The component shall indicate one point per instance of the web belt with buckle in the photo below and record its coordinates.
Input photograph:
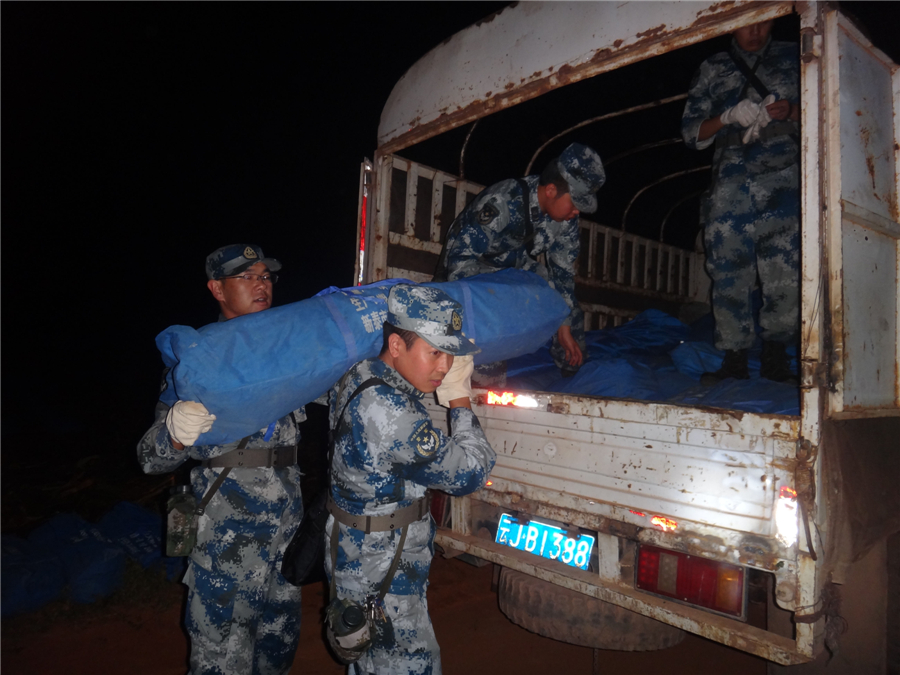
(248, 458)
(392, 521)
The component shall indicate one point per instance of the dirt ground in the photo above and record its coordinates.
(475, 637)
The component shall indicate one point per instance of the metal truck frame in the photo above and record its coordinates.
(628, 471)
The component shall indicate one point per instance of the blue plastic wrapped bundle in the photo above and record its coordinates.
(651, 359)
(138, 532)
(256, 368)
(92, 565)
(31, 577)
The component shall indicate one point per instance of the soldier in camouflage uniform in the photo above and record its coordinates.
(387, 454)
(495, 232)
(752, 208)
(242, 616)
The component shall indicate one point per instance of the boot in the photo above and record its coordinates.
(733, 365)
(776, 364)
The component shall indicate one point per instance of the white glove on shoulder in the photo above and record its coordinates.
(762, 119)
(744, 113)
(458, 382)
(186, 420)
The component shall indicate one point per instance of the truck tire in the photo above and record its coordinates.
(562, 614)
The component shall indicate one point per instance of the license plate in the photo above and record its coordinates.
(546, 541)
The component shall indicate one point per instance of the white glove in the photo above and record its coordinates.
(762, 119)
(458, 382)
(744, 113)
(187, 420)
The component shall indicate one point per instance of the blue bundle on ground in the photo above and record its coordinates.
(254, 369)
(88, 559)
(31, 577)
(92, 565)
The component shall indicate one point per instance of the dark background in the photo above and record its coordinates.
(139, 137)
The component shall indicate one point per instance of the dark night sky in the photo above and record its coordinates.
(138, 137)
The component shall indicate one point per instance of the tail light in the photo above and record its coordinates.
(509, 398)
(697, 581)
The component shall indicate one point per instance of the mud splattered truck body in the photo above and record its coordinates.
(691, 512)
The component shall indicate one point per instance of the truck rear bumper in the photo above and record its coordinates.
(706, 624)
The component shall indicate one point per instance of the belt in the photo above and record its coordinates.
(248, 458)
(769, 131)
(392, 521)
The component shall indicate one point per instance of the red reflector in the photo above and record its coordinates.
(637, 513)
(691, 579)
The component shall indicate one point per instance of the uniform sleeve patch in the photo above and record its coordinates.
(424, 439)
(487, 214)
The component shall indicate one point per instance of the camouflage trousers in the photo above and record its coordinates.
(405, 644)
(753, 231)
(413, 649)
(249, 626)
(494, 374)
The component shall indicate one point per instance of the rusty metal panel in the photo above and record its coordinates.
(870, 317)
(530, 48)
(377, 238)
(867, 125)
(862, 235)
(586, 454)
(812, 287)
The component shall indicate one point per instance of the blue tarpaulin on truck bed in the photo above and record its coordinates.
(656, 357)
(257, 368)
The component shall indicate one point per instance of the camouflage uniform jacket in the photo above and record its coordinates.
(387, 453)
(489, 235)
(719, 85)
(260, 507)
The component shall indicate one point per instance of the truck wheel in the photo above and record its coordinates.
(562, 614)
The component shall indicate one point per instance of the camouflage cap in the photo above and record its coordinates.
(234, 259)
(432, 315)
(582, 169)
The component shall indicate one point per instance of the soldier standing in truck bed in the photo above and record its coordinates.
(746, 101)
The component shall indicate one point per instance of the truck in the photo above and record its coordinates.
(774, 534)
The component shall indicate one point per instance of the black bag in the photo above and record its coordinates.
(305, 554)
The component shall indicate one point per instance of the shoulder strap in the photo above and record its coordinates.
(219, 480)
(753, 80)
(386, 584)
(526, 208)
(395, 563)
(371, 382)
(750, 74)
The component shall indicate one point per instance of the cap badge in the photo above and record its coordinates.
(249, 253)
(456, 321)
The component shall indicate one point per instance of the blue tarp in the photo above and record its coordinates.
(92, 565)
(31, 578)
(259, 367)
(68, 552)
(655, 357)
